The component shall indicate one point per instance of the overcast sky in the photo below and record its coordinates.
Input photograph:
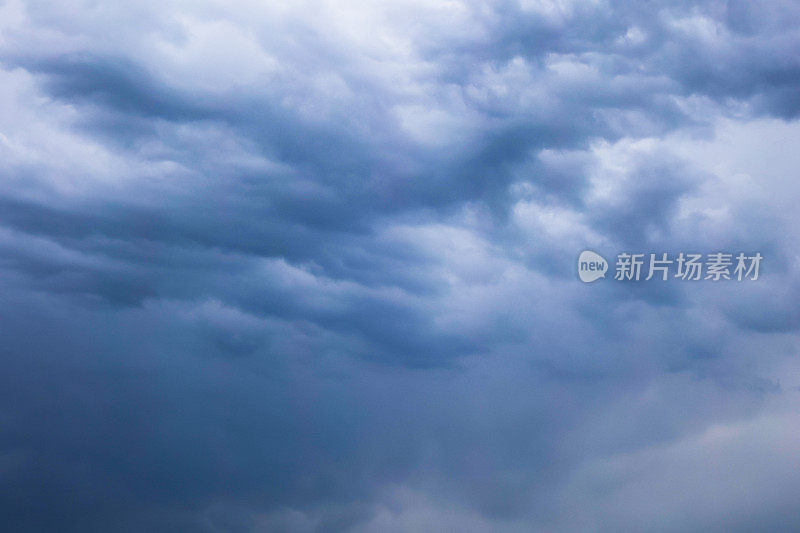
(309, 266)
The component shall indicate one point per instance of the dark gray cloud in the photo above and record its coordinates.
(308, 266)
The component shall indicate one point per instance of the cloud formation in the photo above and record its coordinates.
(308, 266)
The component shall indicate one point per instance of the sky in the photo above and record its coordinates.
(310, 266)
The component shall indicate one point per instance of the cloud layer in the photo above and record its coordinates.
(309, 266)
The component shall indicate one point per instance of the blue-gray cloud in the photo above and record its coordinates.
(309, 266)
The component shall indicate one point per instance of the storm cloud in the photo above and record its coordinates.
(309, 265)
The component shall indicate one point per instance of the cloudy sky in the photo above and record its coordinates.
(309, 265)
